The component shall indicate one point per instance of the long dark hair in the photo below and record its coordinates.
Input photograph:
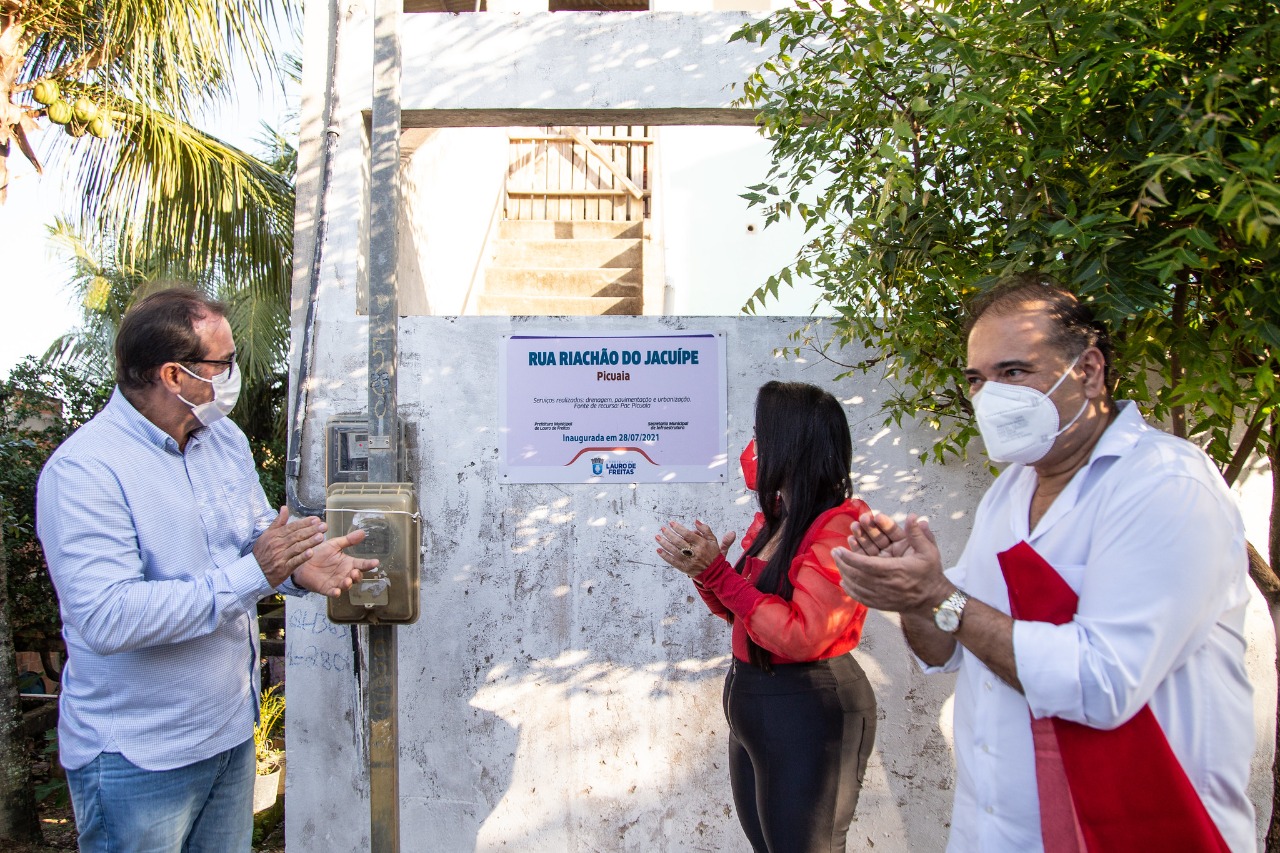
(803, 451)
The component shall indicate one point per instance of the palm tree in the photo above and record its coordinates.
(122, 77)
(117, 80)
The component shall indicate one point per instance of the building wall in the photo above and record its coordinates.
(561, 689)
(713, 251)
(451, 197)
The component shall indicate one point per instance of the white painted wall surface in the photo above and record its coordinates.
(561, 691)
(451, 195)
(566, 60)
(717, 250)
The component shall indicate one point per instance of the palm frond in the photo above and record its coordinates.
(160, 199)
(261, 331)
(172, 56)
(108, 275)
(175, 188)
(86, 351)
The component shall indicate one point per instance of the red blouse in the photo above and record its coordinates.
(820, 621)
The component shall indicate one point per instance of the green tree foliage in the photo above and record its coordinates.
(39, 408)
(107, 273)
(1129, 147)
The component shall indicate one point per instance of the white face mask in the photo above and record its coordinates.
(1019, 424)
(226, 390)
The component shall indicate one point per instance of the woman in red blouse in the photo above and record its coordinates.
(801, 713)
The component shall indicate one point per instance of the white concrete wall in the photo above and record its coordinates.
(569, 60)
(714, 251)
(717, 250)
(451, 197)
(562, 688)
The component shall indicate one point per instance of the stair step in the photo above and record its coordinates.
(567, 254)
(507, 281)
(582, 229)
(576, 306)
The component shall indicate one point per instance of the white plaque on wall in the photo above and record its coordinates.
(625, 409)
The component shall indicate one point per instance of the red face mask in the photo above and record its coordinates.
(748, 460)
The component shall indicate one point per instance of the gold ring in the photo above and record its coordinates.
(688, 552)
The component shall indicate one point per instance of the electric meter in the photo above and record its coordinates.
(347, 451)
(388, 515)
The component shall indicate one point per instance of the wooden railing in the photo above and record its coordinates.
(591, 173)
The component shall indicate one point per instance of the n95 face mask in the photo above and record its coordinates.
(1017, 423)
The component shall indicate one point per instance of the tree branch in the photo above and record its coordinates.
(1245, 448)
(1053, 42)
(1267, 581)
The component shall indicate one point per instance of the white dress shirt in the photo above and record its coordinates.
(1150, 538)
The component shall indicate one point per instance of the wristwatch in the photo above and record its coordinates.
(947, 615)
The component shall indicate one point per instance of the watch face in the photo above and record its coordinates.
(947, 619)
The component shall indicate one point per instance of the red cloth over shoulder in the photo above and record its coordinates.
(1104, 791)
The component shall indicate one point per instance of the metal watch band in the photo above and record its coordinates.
(948, 614)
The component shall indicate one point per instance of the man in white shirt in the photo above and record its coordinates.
(1142, 528)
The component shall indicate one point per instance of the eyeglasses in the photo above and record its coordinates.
(227, 364)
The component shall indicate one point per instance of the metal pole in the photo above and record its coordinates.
(384, 209)
(384, 316)
(384, 741)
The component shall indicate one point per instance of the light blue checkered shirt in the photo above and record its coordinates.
(150, 550)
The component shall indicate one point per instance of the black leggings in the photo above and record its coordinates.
(798, 746)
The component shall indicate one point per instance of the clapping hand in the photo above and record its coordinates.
(329, 571)
(691, 551)
(890, 567)
(282, 547)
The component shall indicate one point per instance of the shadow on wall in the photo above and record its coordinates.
(580, 748)
(572, 699)
(548, 751)
(653, 758)
(617, 60)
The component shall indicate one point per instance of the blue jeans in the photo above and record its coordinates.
(206, 807)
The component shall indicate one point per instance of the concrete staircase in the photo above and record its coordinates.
(551, 268)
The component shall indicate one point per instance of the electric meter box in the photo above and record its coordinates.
(347, 450)
(388, 514)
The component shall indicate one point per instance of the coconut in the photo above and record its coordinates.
(100, 126)
(86, 110)
(46, 92)
(60, 112)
